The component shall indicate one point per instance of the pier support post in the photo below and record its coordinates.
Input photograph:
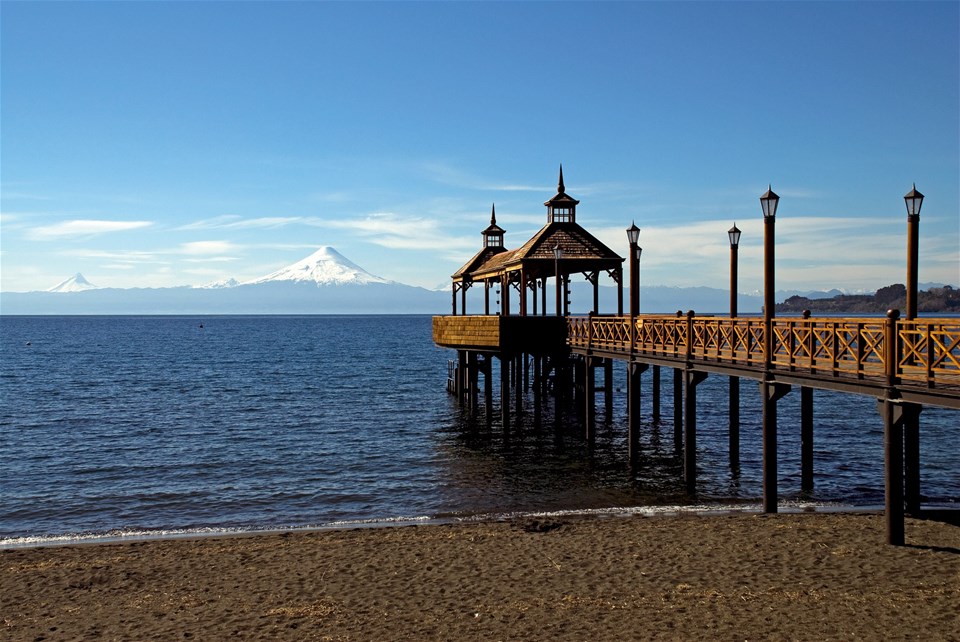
(560, 389)
(608, 388)
(806, 440)
(537, 389)
(655, 401)
(893, 419)
(505, 391)
(518, 382)
(692, 379)
(911, 457)
(589, 408)
(734, 437)
(677, 409)
(488, 387)
(458, 375)
(771, 392)
(634, 370)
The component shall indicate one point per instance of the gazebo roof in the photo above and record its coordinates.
(581, 251)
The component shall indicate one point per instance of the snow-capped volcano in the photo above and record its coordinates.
(326, 266)
(75, 283)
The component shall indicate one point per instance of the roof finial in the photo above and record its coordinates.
(493, 214)
(560, 187)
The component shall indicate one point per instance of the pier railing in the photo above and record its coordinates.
(926, 351)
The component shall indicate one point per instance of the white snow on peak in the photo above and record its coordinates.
(219, 285)
(326, 266)
(75, 283)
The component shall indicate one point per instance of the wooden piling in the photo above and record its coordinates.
(677, 409)
(655, 396)
(806, 440)
(692, 379)
(734, 412)
(505, 392)
(589, 401)
(771, 393)
(634, 370)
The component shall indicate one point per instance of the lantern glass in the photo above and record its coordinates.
(734, 234)
(769, 202)
(633, 234)
(557, 252)
(914, 201)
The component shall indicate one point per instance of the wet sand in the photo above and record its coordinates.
(742, 577)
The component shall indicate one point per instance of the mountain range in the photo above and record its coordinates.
(326, 282)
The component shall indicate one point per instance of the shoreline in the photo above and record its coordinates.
(664, 511)
(803, 575)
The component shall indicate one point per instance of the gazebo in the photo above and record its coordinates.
(560, 249)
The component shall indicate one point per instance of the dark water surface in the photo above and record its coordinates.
(156, 425)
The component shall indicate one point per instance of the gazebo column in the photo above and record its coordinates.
(543, 297)
(486, 297)
(594, 279)
(505, 294)
(523, 292)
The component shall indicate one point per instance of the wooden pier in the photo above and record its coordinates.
(905, 364)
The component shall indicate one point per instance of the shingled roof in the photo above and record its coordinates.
(582, 252)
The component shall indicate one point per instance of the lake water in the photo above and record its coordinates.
(150, 426)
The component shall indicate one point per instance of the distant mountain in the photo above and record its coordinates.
(325, 282)
(216, 285)
(76, 283)
(326, 266)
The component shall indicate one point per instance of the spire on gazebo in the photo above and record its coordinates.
(561, 208)
(493, 235)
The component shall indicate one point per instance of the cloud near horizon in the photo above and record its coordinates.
(84, 227)
(406, 233)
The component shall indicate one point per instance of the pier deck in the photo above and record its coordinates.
(904, 364)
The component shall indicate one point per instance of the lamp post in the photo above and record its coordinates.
(633, 235)
(914, 200)
(769, 390)
(557, 254)
(734, 437)
(734, 235)
(911, 426)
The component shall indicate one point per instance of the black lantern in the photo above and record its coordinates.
(633, 234)
(914, 200)
(769, 202)
(734, 234)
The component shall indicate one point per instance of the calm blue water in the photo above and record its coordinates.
(112, 425)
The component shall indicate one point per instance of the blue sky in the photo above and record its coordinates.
(159, 144)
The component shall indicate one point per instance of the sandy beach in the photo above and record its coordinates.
(736, 577)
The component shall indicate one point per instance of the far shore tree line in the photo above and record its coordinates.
(943, 300)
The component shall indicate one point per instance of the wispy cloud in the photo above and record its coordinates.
(408, 233)
(233, 222)
(85, 227)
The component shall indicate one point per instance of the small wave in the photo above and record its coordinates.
(421, 520)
